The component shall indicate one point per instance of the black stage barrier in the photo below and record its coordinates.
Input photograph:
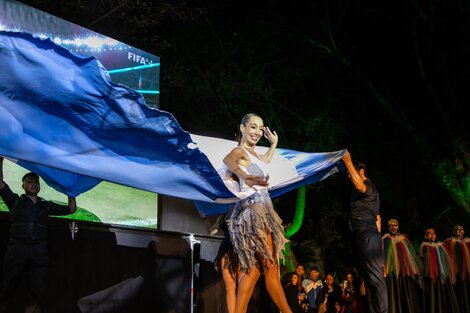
(108, 269)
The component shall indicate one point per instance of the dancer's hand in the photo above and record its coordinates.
(252, 180)
(271, 136)
(347, 157)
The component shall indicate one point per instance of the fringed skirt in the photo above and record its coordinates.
(252, 221)
(226, 252)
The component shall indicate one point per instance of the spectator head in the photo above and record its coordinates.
(458, 231)
(300, 270)
(350, 278)
(294, 279)
(314, 273)
(393, 226)
(430, 235)
(31, 184)
(330, 279)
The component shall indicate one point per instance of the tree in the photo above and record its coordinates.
(443, 148)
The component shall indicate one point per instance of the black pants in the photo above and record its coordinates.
(23, 259)
(369, 252)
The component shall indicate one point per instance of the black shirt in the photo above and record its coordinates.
(29, 219)
(291, 292)
(365, 207)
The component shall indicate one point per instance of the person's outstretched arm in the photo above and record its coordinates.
(353, 174)
(378, 222)
(8, 196)
(2, 183)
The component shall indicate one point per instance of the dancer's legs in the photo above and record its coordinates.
(230, 284)
(273, 281)
(246, 285)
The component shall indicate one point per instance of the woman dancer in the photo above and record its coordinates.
(255, 228)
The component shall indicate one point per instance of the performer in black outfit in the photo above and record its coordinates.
(26, 253)
(365, 224)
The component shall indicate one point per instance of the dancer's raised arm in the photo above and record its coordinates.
(272, 137)
(2, 183)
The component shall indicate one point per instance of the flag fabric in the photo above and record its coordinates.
(62, 117)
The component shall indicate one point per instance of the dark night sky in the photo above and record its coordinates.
(387, 80)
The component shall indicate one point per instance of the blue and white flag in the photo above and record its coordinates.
(62, 117)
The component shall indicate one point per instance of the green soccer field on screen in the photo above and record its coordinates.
(106, 203)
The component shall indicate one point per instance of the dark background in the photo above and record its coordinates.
(385, 79)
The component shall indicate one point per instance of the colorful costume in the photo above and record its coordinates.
(459, 251)
(253, 220)
(402, 268)
(439, 273)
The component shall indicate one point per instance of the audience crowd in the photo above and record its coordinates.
(431, 278)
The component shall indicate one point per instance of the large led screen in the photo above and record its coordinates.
(106, 203)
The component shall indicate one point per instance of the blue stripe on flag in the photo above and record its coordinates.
(61, 110)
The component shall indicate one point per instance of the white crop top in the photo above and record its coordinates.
(256, 168)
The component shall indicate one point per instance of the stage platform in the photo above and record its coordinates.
(108, 268)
